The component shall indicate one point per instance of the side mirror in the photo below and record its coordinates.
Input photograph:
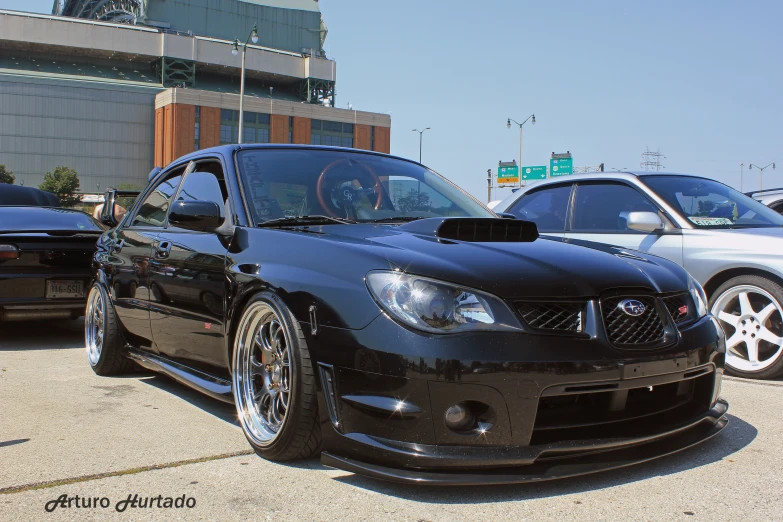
(506, 215)
(643, 221)
(115, 204)
(202, 216)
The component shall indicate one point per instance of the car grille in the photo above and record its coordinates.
(632, 331)
(679, 307)
(559, 317)
(622, 413)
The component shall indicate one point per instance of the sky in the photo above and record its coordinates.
(701, 81)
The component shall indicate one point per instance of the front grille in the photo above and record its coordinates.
(558, 317)
(632, 331)
(621, 413)
(680, 308)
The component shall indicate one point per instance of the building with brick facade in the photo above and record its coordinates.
(113, 88)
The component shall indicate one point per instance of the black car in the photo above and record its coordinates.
(45, 260)
(360, 304)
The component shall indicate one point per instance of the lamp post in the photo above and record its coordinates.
(421, 133)
(742, 169)
(761, 173)
(532, 119)
(235, 50)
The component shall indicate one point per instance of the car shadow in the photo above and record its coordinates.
(222, 410)
(737, 435)
(42, 335)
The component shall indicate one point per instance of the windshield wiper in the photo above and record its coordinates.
(395, 219)
(297, 221)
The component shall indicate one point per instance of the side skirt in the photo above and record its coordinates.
(208, 384)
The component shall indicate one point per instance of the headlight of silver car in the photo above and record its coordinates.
(437, 307)
(699, 297)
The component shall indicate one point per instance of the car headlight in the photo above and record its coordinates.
(699, 297)
(437, 307)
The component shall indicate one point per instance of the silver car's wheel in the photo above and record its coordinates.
(94, 325)
(262, 374)
(752, 318)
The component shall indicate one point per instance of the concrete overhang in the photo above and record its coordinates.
(30, 30)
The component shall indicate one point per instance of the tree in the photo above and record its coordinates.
(414, 201)
(64, 183)
(6, 176)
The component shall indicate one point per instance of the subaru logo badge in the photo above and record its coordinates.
(632, 307)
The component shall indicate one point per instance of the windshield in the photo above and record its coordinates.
(709, 204)
(287, 183)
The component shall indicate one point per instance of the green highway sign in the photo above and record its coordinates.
(538, 172)
(561, 167)
(508, 174)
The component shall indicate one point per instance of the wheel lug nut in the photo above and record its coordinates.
(744, 332)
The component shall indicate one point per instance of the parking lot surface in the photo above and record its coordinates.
(65, 432)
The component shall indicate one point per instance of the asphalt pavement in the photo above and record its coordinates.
(65, 432)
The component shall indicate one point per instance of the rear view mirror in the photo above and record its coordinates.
(202, 216)
(643, 221)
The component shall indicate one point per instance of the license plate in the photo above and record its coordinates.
(652, 368)
(64, 289)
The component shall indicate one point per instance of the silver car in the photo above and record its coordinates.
(730, 243)
(773, 198)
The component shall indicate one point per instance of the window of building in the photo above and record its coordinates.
(331, 133)
(372, 138)
(255, 127)
(290, 129)
(197, 134)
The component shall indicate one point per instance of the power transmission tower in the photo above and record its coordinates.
(652, 160)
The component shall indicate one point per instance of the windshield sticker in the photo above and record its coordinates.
(710, 221)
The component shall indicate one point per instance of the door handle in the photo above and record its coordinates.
(163, 250)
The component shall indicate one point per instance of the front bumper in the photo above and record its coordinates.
(557, 406)
(511, 465)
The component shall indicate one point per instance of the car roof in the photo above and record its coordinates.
(228, 150)
(622, 175)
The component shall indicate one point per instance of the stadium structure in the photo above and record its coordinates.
(113, 88)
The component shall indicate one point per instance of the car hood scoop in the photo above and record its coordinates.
(475, 230)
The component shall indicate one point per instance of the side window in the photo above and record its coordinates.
(601, 207)
(153, 210)
(547, 208)
(206, 183)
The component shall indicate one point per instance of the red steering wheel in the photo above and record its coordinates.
(321, 186)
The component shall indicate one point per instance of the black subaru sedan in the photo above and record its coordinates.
(360, 306)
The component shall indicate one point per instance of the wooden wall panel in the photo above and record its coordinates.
(361, 137)
(159, 133)
(383, 139)
(278, 132)
(168, 124)
(210, 127)
(184, 130)
(302, 130)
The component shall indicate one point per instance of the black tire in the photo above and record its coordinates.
(774, 323)
(112, 359)
(299, 436)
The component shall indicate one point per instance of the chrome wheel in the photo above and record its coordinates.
(94, 325)
(262, 373)
(753, 321)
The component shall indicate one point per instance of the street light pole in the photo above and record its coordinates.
(742, 169)
(235, 50)
(761, 173)
(532, 119)
(421, 134)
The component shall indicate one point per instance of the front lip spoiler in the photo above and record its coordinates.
(603, 459)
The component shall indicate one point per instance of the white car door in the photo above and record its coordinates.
(598, 211)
